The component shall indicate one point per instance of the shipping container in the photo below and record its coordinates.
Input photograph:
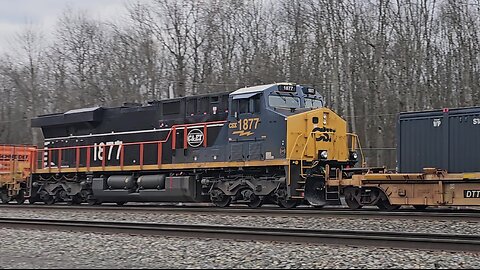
(446, 139)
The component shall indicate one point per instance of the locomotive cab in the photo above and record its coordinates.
(258, 118)
(289, 122)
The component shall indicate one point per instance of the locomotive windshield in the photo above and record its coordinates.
(313, 103)
(281, 101)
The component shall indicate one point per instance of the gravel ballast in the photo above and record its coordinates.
(61, 249)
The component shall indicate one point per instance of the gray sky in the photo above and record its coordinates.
(16, 14)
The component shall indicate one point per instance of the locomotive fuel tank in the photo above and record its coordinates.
(121, 182)
(156, 181)
(150, 189)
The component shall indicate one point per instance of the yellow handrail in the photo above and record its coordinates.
(303, 155)
(293, 148)
(355, 141)
(305, 148)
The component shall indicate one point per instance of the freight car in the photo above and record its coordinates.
(275, 143)
(426, 141)
(15, 170)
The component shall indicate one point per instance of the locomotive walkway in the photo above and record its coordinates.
(336, 237)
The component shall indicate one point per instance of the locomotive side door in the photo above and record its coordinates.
(244, 123)
(244, 119)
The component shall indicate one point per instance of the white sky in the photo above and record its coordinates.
(15, 15)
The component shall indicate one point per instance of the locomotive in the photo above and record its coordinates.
(273, 143)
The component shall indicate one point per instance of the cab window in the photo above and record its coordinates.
(247, 105)
(282, 101)
(243, 105)
(313, 103)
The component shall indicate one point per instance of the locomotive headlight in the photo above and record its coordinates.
(353, 155)
(324, 154)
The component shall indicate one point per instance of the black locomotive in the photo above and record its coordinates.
(273, 142)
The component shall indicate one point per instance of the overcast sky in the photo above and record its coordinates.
(15, 14)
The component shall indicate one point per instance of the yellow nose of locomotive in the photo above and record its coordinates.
(319, 134)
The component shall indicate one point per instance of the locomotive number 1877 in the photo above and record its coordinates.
(100, 148)
(246, 127)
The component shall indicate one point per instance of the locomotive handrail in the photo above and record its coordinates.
(355, 141)
(293, 148)
(305, 148)
(141, 145)
(303, 154)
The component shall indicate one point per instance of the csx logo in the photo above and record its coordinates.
(195, 137)
(476, 121)
(437, 122)
(326, 134)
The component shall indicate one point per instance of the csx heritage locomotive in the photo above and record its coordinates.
(269, 143)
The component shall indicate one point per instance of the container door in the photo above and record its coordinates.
(421, 141)
(464, 145)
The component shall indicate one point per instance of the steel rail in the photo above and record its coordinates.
(337, 237)
(299, 212)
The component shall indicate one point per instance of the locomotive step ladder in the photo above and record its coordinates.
(332, 194)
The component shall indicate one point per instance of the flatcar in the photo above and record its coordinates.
(268, 143)
(437, 164)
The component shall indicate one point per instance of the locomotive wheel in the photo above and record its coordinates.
(49, 200)
(61, 195)
(33, 199)
(255, 201)
(351, 200)
(75, 200)
(219, 198)
(20, 197)
(288, 204)
(92, 201)
(84, 194)
(4, 197)
(353, 204)
(385, 205)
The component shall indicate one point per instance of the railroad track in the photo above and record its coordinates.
(337, 237)
(299, 212)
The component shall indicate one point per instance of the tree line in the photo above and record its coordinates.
(370, 59)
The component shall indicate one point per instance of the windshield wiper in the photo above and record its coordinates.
(283, 98)
(293, 97)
